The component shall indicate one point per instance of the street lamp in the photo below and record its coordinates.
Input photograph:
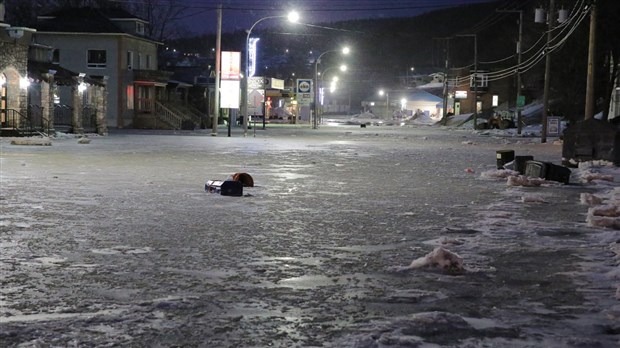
(475, 79)
(342, 68)
(345, 51)
(292, 17)
(387, 102)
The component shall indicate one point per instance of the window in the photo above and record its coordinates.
(148, 61)
(56, 56)
(129, 60)
(482, 80)
(130, 97)
(140, 63)
(96, 59)
(140, 28)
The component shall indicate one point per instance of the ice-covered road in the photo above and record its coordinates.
(115, 243)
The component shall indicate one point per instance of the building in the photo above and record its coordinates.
(110, 44)
(29, 85)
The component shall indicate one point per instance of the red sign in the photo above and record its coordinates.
(231, 65)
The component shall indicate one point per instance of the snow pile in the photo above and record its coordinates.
(605, 206)
(498, 174)
(590, 199)
(594, 171)
(533, 199)
(426, 119)
(439, 258)
(522, 180)
(32, 141)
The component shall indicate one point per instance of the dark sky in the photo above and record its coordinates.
(241, 14)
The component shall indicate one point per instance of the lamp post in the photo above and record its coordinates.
(292, 17)
(342, 68)
(475, 78)
(387, 102)
(345, 50)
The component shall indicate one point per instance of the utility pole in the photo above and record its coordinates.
(518, 69)
(445, 84)
(550, 19)
(218, 54)
(518, 72)
(589, 112)
(475, 76)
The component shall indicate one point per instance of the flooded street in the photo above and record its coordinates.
(116, 243)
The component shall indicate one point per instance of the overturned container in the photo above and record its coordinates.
(233, 186)
(503, 157)
(225, 188)
(547, 171)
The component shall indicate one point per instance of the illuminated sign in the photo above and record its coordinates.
(460, 95)
(252, 56)
(495, 101)
(231, 65)
(229, 94)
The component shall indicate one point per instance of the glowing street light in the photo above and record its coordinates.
(332, 88)
(387, 102)
(345, 51)
(403, 104)
(292, 17)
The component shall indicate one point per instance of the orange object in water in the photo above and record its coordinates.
(245, 178)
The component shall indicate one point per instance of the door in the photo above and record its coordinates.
(3, 100)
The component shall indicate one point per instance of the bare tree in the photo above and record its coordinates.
(163, 17)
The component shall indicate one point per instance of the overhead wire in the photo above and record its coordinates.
(566, 29)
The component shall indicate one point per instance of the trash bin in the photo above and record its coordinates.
(503, 157)
(225, 188)
(547, 171)
(520, 162)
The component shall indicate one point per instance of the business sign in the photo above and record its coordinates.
(256, 82)
(231, 65)
(553, 126)
(304, 91)
(276, 83)
(252, 56)
(256, 95)
(304, 85)
(229, 94)
(460, 94)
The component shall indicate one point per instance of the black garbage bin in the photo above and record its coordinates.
(225, 188)
(503, 157)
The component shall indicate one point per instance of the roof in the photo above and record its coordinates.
(62, 76)
(412, 95)
(83, 20)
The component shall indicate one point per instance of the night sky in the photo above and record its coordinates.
(241, 14)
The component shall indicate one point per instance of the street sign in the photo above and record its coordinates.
(521, 101)
(304, 91)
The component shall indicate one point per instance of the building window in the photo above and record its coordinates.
(130, 97)
(148, 61)
(56, 56)
(481, 78)
(140, 63)
(129, 60)
(140, 28)
(96, 59)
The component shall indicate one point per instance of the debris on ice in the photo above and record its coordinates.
(439, 258)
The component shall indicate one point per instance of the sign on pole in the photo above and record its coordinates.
(229, 84)
(304, 91)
